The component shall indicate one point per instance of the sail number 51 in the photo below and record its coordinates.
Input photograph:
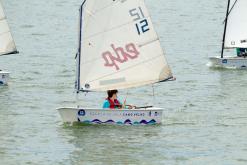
(141, 21)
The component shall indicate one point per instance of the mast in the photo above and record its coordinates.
(224, 35)
(78, 56)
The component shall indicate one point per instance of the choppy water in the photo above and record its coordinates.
(205, 121)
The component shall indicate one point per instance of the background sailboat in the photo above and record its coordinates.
(118, 49)
(7, 44)
(235, 35)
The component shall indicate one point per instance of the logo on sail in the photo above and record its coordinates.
(120, 55)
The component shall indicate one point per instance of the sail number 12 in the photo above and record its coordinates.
(142, 22)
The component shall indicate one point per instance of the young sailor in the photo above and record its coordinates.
(111, 101)
(241, 52)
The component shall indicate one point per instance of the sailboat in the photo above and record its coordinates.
(118, 49)
(7, 44)
(235, 35)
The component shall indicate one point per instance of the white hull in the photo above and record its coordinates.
(4, 77)
(116, 117)
(229, 62)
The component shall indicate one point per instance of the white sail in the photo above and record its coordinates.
(7, 44)
(119, 46)
(236, 31)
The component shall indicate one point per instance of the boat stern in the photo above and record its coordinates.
(229, 62)
(4, 77)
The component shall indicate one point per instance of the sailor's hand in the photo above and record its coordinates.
(131, 107)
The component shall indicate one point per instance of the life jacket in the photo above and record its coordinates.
(115, 104)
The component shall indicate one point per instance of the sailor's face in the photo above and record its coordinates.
(114, 96)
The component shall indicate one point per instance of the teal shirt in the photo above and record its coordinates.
(106, 104)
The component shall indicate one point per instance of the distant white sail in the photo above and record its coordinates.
(119, 46)
(236, 31)
(7, 44)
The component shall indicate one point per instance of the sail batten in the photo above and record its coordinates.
(236, 33)
(120, 48)
(7, 44)
(111, 29)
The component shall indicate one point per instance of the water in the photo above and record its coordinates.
(205, 119)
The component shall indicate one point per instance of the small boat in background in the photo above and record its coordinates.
(118, 49)
(7, 44)
(235, 36)
(4, 77)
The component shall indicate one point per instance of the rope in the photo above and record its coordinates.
(230, 11)
(153, 94)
